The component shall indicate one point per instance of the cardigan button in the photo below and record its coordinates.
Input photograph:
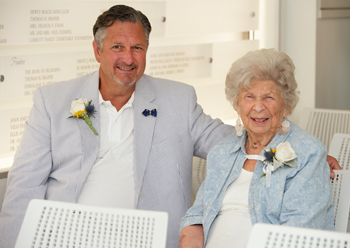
(252, 183)
(251, 207)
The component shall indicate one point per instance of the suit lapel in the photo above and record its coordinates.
(143, 131)
(90, 141)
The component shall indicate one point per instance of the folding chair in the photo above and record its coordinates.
(341, 199)
(274, 236)
(199, 171)
(323, 123)
(340, 149)
(62, 224)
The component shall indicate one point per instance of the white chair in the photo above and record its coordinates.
(199, 170)
(341, 199)
(323, 123)
(62, 224)
(274, 236)
(340, 149)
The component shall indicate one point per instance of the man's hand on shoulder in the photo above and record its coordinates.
(333, 165)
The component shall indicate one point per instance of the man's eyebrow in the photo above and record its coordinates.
(139, 44)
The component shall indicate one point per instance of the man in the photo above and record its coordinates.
(136, 160)
(148, 131)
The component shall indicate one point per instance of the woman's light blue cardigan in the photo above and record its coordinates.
(296, 197)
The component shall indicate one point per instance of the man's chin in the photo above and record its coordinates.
(125, 83)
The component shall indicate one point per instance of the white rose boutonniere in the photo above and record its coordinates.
(275, 158)
(78, 105)
(83, 109)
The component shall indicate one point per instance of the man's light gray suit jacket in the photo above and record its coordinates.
(56, 154)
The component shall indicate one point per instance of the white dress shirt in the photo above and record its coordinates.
(111, 180)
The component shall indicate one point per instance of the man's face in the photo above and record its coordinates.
(123, 56)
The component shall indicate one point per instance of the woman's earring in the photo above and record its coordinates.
(239, 127)
(285, 127)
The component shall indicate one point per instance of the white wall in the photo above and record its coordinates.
(333, 64)
(269, 23)
(298, 40)
(320, 49)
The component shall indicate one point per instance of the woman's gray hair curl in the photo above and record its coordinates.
(263, 65)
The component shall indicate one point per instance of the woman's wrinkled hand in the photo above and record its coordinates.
(192, 237)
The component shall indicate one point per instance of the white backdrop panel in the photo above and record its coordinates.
(23, 74)
(36, 22)
(213, 100)
(180, 62)
(195, 17)
(225, 53)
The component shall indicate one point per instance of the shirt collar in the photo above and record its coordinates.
(128, 104)
(239, 142)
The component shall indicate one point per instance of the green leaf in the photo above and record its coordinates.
(292, 164)
(277, 164)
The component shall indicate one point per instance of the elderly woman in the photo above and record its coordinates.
(270, 171)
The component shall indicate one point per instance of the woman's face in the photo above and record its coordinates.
(261, 108)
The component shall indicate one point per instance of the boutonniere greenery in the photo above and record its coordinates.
(275, 158)
(83, 109)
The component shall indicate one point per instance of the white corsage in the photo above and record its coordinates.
(83, 109)
(275, 158)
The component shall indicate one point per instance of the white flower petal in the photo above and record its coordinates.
(284, 152)
(78, 105)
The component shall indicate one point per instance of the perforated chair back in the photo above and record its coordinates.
(340, 149)
(199, 170)
(323, 123)
(341, 199)
(61, 224)
(274, 236)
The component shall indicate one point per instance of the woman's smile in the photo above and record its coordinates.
(259, 121)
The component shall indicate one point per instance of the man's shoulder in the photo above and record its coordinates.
(70, 84)
(64, 92)
(166, 84)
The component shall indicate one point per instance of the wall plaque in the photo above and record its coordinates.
(37, 22)
(180, 62)
(23, 74)
(11, 129)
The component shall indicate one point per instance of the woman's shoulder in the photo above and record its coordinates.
(225, 147)
(305, 144)
(303, 139)
(229, 142)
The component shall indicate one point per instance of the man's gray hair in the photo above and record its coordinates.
(119, 13)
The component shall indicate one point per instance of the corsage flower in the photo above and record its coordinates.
(83, 109)
(275, 158)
